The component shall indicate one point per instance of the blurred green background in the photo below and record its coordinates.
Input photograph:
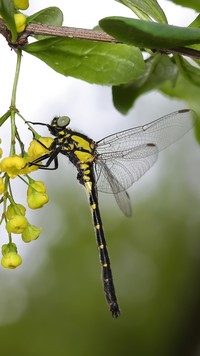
(54, 304)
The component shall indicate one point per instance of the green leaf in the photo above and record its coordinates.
(4, 117)
(197, 48)
(146, 9)
(94, 62)
(187, 91)
(188, 70)
(7, 12)
(193, 4)
(149, 34)
(196, 22)
(197, 130)
(50, 16)
(159, 69)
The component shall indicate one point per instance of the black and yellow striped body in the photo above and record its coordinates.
(104, 257)
(81, 151)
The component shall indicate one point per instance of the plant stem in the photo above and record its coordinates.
(35, 134)
(13, 102)
(5, 197)
(16, 78)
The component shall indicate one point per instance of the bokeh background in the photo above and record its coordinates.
(53, 304)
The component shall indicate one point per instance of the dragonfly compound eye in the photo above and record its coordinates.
(63, 121)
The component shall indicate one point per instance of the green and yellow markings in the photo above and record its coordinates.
(88, 186)
(81, 142)
(86, 178)
(105, 265)
(93, 206)
(84, 166)
(63, 133)
(84, 157)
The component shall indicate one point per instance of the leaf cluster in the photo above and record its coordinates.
(119, 60)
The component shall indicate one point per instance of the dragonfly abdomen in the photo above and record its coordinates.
(107, 278)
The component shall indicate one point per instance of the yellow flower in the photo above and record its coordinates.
(12, 165)
(27, 169)
(36, 195)
(21, 4)
(36, 186)
(2, 186)
(11, 260)
(36, 150)
(20, 22)
(15, 209)
(16, 165)
(17, 224)
(10, 247)
(31, 233)
(1, 151)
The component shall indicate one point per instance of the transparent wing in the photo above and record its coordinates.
(162, 132)
(125, 168)
(127, 155)
(113, 186)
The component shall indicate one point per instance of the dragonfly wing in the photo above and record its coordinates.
(110, 184)
(162, 132)
(125, 168)
(123, 202)
(122, 158)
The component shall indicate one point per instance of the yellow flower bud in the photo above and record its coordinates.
(27, 169)
(11, 247)
(36, 150)
(37, 200)
(17, 224)
(11, 260)
(1, 152)
(36, 195)
(21, 4)
(2, 186)
(36, 186)
(12, 165)
(15, 209)
(20, 22)
(31, 233)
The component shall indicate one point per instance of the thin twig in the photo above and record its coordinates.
(73, 32)
(81, 33)
(184, 51)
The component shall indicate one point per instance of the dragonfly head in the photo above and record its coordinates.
(59, 123)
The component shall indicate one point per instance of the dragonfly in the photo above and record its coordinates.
(112, 165)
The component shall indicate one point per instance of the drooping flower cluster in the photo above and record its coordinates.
(16, 164)
(14, 214)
